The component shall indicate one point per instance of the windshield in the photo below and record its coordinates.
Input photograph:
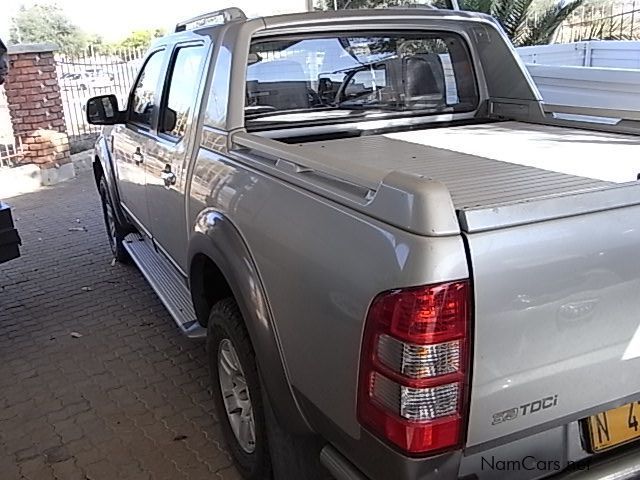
(339, 77)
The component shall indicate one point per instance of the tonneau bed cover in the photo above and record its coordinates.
(499, 174)
(491, 175)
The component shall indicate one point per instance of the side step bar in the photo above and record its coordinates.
(166, 282)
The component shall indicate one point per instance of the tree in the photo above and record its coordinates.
(140, 39)
(46, 23)
(95, 43)
(526, 22)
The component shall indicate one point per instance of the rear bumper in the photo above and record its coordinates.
(338, 465)
(624, 466)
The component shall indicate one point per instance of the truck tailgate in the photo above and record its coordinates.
(556, 318)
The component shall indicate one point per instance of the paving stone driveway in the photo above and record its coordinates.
(96, 382)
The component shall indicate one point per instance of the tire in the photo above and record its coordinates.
(115, 231)
(277, 453)
(228, 344)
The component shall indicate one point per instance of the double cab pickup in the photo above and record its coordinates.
(406, 264)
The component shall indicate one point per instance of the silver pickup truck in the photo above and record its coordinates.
(406, 265)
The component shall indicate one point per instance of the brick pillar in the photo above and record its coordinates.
(35, 105)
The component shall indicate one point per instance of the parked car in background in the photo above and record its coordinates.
(88, 79)
(405, 264)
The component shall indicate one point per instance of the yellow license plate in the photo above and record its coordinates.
(614, 427)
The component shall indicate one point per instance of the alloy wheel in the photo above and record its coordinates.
(235, 395)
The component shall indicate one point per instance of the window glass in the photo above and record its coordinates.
(144, 94)
(185, 79)
(332, 76)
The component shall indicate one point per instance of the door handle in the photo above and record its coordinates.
(168, 176)
(137, 156)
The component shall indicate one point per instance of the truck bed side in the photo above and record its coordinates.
(397, 177)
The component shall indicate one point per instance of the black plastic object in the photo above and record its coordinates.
(9, 238)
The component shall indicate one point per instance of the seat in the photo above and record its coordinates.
(280, 84)
(424, 80)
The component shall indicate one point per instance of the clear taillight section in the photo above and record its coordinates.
(414, 365)
(419, 361)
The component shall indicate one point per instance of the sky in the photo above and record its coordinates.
(114, 19)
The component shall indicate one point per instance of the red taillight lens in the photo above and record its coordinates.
(413, 366)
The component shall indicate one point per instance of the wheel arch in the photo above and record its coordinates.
(218, 250)
(208, 285)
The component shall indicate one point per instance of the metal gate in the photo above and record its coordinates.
(83, 76)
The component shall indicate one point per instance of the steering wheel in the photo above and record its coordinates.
(314, 99)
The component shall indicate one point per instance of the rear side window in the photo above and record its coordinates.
(395, 73)
(144, 97)
(184, 80)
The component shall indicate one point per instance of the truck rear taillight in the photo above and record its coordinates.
(413, 367)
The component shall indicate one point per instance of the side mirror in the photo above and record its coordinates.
(103, 110)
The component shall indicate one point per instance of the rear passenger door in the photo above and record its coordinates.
(132, 140)
(167, 161)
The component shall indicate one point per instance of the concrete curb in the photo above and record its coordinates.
(82, 161)
(30, 178)
(51, 176)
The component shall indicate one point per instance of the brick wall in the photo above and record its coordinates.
(35, 105)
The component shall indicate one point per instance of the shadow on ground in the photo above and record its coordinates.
(96, 382)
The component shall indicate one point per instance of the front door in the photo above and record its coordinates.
(167, 160)
(131, 140)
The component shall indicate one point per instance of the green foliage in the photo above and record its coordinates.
(140, 39)
(46, 23)
(526, 22)
(539, 30)
(96, 41)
